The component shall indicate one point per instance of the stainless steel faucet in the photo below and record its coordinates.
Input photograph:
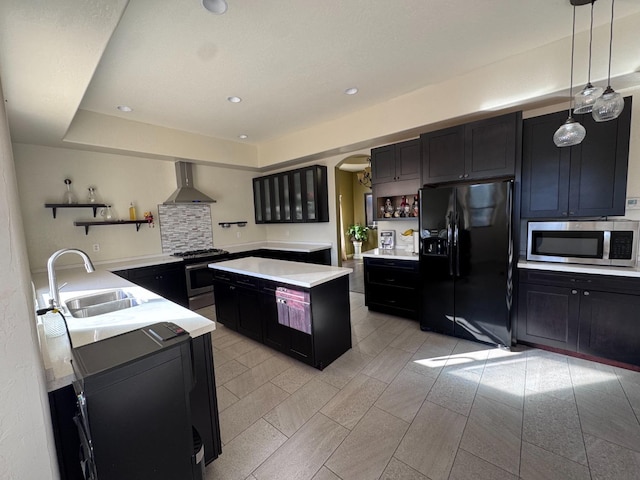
(54, 291)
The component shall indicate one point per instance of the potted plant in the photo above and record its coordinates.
(358, 234)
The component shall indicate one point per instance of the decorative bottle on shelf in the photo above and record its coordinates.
(69, 197)
(132, 211)
(91, 197)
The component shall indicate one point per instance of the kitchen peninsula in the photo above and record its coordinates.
(148, 309)
(300, 309)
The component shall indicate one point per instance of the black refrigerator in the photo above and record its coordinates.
(466, 260)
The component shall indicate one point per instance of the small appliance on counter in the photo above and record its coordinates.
(387, 239)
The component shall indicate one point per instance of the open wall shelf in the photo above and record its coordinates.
(94, 206)
(86, 225)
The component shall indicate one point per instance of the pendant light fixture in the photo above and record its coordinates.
(610, 105)
(570, 132)
(587, 97)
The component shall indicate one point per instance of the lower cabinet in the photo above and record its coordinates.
(248, 305)
(589, 314)
(167, 280)
(204, 413)
(392, 286)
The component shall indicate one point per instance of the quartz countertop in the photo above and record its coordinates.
(395, 253)
(577, 268)
(56, 351)
(306, 275)
(305, 247)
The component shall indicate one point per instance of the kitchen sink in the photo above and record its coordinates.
(100, 303)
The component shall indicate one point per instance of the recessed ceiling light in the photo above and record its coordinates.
(243, 136)
(215, 6)
(125, 108)
(234, 99)
(351, 91)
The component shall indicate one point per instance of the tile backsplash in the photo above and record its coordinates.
(185, 227)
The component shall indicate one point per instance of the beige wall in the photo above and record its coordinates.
(26, 441)
(119, 179)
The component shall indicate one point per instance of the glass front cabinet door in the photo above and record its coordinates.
(293, 196)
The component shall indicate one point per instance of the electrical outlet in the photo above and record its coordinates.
(96, 247)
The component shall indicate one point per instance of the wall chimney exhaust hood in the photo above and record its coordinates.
(186, 193)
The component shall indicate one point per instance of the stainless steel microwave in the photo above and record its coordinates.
(594, 243)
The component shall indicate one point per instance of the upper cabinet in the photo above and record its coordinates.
(587, 180)
(474, 151)
(299, 195)
(397, 162)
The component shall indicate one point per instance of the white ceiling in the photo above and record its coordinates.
(175, 63)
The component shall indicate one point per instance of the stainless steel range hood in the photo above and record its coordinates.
(186, 193)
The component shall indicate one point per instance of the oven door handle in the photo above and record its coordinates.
(195, 266)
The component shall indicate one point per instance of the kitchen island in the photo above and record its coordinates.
(149, 309)
(300, 309)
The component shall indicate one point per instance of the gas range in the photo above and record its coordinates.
(200, 254)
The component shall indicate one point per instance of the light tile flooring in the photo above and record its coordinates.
(406, 404)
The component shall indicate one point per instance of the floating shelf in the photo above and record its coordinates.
(94, 206)
(86, 225)
(228, 224)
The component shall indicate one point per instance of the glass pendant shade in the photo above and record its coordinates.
(584, 100)
(608, 107)
(570, 133)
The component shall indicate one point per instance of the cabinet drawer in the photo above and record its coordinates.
(391, 277)
(223, 276)
(605, 283)
(247, 282)
(396, 297)
(387, 263)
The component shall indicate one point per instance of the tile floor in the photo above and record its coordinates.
(406, 404)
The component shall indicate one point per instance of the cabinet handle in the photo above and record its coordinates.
(390, 280)
(466, 175)
(574, 292)
(459, 176)
(231, 287)
(586, 294)
(572, 213)
(564, 214)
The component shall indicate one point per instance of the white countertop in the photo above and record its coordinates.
(577, 268)
(306, 275)
(396, 253)
(56, 351)
(305, 247)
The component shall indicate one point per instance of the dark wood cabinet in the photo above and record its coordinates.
(392, 286)
(203, 403)
(397, 162)
(548, 315)
(168, 281)
(588, 314)
(225, 292)
(248, 304)
(293, 196)
(609, 326)
(586, 180)
(475, 151)
(249, 308)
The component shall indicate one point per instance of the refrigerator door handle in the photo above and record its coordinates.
(509, 213)
(449, 245)
(456, 244)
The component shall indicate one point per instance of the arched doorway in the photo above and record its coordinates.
(353, 203)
